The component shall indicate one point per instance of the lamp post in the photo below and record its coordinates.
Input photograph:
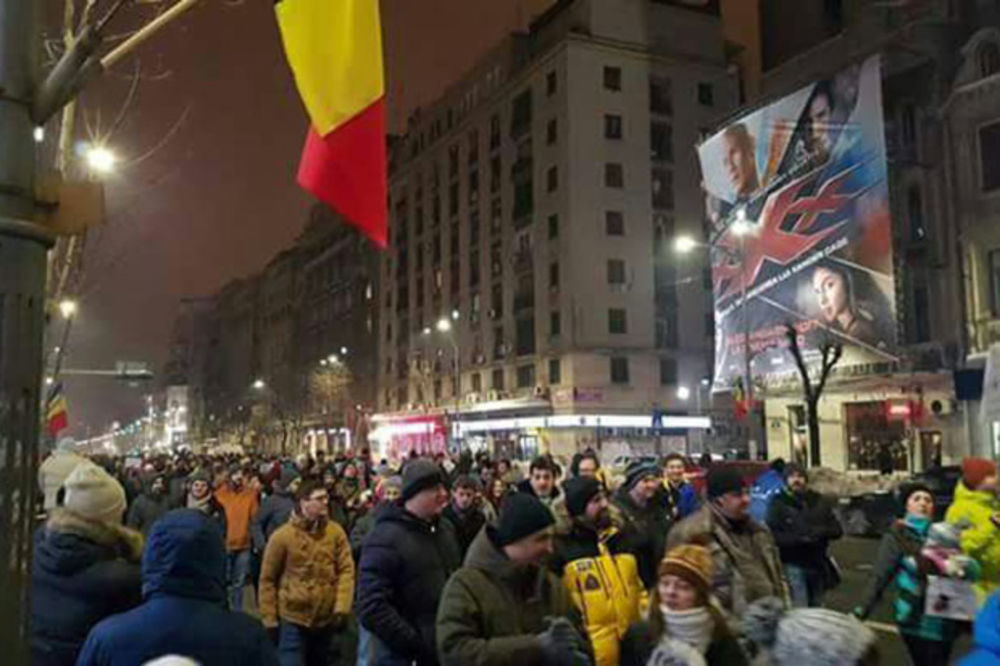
(446, 329)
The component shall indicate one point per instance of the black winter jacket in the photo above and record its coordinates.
(466, 525)
(404, 566)
(802, 526)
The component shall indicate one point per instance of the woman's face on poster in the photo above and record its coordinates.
(831, 293)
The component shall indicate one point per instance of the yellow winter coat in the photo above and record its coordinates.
(604, 585)
(981, 541)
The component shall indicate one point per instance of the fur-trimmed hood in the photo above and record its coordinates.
(69, 543)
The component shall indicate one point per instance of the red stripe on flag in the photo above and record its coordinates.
(346, 169)
(58, 423)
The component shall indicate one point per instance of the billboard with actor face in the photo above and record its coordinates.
(798, 201)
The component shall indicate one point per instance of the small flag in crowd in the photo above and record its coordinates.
(335, 52)
(56, 414)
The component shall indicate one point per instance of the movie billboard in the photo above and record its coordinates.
(798, 202)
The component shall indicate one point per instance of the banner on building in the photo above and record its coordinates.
(798, 201)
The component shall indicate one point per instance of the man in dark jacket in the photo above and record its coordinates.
(150, 505)
(541, 481)
(85, 568)
(184, 609)
(275, 510)
(803, 525)
(645, 523)
(680, 497)
(503, 607)
(200, 498)
(463, 513)
(406, 561)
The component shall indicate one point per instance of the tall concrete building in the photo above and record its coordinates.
(530, 293)
(940, 63)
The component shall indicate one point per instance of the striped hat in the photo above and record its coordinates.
(692, 563)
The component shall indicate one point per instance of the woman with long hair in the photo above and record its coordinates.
(684, 624)
(495, 492)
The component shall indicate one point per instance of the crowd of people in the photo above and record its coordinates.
(457, 561)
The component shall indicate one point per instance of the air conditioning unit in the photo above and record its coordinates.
(941, 407)
(493, 314)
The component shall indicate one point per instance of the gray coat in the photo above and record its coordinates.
(273, 513)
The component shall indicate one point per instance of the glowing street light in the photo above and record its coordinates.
(259, 385)
(683, 393)
(443, 325)
(101, 159)
(684, 244)
(68, 308)
(39, 134)
(333, 359)
(343, 351)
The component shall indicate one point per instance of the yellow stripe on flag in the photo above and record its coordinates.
(334, 48)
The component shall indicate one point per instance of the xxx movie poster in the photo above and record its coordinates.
(798, 203)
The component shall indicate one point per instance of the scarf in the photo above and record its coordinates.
(693, 627)
(199, 504)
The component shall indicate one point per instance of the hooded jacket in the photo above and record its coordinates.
(147, 507)
(82, 572)
(274, 512)
(184, 605)
(404, 566)
(981, 541)
(986, 636)
(307, 577)
(492, 610)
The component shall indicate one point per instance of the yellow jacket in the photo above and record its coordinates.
(604, 585)
(982, 540)
(306, 577)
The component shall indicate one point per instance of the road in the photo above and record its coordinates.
(856, 557)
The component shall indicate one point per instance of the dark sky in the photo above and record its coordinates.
(210, 146)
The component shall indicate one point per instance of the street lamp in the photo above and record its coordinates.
(101, 159)
(683, 393)
(68, 308)
(684, 244)
(259, 385)
(443, 325)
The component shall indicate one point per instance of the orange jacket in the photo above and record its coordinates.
(240, 509)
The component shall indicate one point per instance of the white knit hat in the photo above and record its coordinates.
(814, 636)
(172, 660)
(93, 493)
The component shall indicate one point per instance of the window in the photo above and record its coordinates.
(474, 227)
(614, 175)
(453, 162)
(660, 100)
(524, 336)
(555, 371)
(993, 259)
(614, 223)
(555, 318)
(474, 271)
(619, 370)
(616, 271)
(921, 314)
(612, 126)
(496, 263)
(552, 132)
(554, 275)
(662, 183)
(617, 324)
(453, 199)
(989, 156)
(525, 376)
(495, 175)
(477, 382)
(553, 226)
(496, 300)
(661, 142)
(612, 78)
(497, 379)
(706, 96)
(668, 372)
(520, 121)
(915, 208)
(473, 146)
(908, 124)
(989, 59)
(551, 83)
(552, 179)
(494, 132)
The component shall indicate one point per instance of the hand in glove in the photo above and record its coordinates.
(562, 644)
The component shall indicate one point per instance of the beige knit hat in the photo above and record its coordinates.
(93, 493)
(691, 562)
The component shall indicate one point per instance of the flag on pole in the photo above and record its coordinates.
(56, 414)
(335, 52)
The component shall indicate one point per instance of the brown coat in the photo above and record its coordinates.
(306, 577)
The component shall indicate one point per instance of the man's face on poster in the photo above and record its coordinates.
(831, 293)
(821, 123)
(738, 162)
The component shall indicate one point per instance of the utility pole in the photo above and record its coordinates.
(23, 248)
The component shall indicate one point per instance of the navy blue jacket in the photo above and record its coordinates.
(183, 612)
(405, 563)
(82, 572)
(273, 513)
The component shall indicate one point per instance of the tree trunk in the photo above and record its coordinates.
(812, 417)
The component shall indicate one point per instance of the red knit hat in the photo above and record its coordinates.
(977, 470)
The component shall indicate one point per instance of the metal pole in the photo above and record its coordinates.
(146, 32)
(23, 247)
(747, 377)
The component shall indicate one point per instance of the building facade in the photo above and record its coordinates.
(939, 63)
(533, 210)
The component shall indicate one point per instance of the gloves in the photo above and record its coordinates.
(562, 645)
(273, 634)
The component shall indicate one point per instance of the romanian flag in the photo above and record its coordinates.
(334, 48)
(56, 415)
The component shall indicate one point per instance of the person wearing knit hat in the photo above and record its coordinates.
(748, 565)
(405, 562)
(813, 636)
(976, 501)
(54, 470)
(683, 625)
(644, 521)
(592, 555)
(199, 497)
(503, 606)
(276, 509)
(85, 566)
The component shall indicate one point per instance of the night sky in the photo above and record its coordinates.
(209, 149)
